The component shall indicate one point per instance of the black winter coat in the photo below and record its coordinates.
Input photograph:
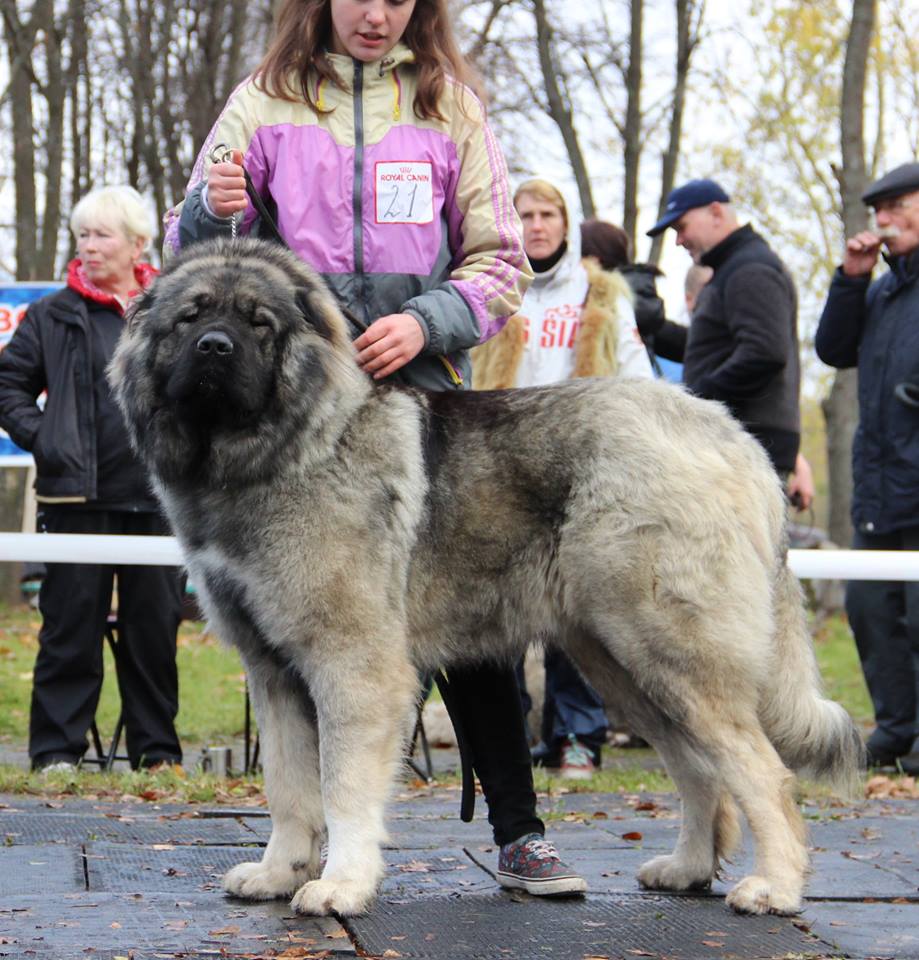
(875, 326)
(742, 345)
(51, 351)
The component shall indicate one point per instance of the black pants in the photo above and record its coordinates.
(884, 616)
(490, 712)
(75, 601)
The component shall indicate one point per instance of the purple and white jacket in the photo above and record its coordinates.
(399, 214)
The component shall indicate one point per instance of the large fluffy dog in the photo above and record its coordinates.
(343, 534)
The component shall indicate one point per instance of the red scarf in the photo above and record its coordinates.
(144, 274)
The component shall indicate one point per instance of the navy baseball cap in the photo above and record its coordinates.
(696, 193)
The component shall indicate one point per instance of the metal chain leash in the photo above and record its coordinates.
(224, 154)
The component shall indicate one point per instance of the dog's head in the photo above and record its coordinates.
(232, 353)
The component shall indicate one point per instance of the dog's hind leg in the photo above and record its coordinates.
(364, 693)
(708, 829)
(290, 758)
(763, 787)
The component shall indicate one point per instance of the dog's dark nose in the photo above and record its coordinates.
(215, 343)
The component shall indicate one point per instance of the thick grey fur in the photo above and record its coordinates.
(343, 535)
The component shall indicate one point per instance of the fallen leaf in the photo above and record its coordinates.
(224, 931)
(391, 953)
(712, 943)
(600, 815)
(337, 934)
(163, 846)
(415, 866)
(634, 835)
(641, 953)
(115, 925)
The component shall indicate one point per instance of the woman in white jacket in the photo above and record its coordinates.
(576, 320)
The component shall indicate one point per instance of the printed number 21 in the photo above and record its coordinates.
(393, 210)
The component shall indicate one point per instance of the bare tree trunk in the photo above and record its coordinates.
(20, 40)
(840, 408)
(633, 140)
(560, 110)
(688, 24)
(55, 93)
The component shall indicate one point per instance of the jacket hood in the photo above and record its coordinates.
(571, 206)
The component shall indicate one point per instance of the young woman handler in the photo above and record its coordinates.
(360, 130)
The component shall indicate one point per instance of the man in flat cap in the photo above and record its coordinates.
(742, 344)
(875, 326)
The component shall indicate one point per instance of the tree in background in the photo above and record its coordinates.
(840, 407)
(585, 74)
(125, 90)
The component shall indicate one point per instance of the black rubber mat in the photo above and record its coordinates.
(30, 828)
(50, 870)
(411, 874)
(868, 929)
(164, 868)
(107, 925)
(127, 868)
(501, 926)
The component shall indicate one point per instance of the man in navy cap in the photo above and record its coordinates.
(875, 326)
(742, 345)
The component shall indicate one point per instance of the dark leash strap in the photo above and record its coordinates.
(451, 702)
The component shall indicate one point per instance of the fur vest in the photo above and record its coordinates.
(495, 363)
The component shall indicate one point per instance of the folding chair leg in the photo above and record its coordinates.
(426, 773)
(97, 742)
(113, 746)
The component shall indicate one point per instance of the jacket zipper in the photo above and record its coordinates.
(357, 188)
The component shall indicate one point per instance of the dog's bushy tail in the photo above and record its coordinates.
(812, 734)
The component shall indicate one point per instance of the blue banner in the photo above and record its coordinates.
(14, 301)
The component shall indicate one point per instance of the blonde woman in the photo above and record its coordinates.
(89, 481)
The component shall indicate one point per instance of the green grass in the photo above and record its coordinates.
(841, 670)
(211, 682)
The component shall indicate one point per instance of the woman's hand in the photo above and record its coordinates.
(226, 186)
(388, 344)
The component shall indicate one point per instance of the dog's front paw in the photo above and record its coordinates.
(758, 895)
(347, 898)
(672, 873)
(267, 880)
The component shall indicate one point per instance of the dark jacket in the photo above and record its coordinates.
(742, 344)
(650, 313)
(875, 326)
(51, 351)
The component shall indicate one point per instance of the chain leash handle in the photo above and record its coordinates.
(222, 153)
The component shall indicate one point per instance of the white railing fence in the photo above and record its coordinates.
(156, 551)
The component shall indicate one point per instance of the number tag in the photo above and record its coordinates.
(404, 192)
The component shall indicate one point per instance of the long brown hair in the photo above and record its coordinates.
(304, 28)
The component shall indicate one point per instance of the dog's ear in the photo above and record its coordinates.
(311, 310)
